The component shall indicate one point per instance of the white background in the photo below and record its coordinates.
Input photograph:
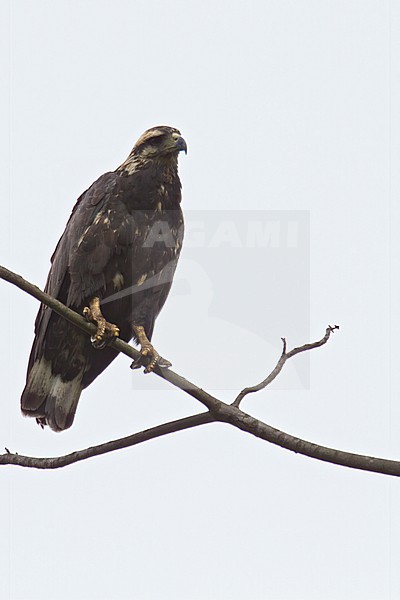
(285, 106)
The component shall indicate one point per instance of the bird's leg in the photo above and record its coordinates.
(147, 351)
(105, 331)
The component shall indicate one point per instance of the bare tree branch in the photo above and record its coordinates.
(320, 342)
(121, 346)
(217, 410)
(279, 365)
(130, 440)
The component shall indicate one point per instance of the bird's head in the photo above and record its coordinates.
(161, 144)
(160, 141)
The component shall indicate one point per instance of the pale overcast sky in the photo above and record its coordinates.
(290, 113)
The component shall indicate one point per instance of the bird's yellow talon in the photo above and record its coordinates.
(105, 330)
(148, 352)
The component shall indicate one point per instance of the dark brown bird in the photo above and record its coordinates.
(114, 263)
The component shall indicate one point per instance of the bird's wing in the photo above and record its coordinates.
(58, 281)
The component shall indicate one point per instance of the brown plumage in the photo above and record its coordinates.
(121, 246)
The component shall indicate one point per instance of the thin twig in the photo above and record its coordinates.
(279, 365)
(330, 329)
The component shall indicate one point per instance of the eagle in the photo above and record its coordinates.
(114, 263)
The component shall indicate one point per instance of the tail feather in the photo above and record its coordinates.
(49, 398)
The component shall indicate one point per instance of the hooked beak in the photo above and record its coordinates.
(180, 144)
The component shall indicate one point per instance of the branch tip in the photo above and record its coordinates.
(279, 365)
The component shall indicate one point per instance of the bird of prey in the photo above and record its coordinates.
(114, 263)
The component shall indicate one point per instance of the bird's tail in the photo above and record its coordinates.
(50, 398)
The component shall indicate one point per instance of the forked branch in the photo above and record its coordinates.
(279, 365)
(217, 410)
